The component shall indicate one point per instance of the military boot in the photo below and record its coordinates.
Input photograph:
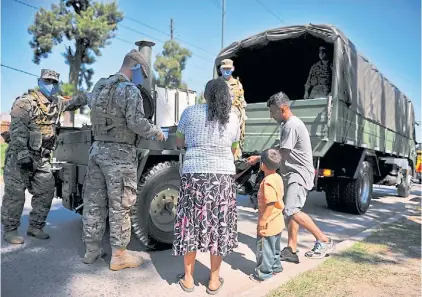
(122, 258)
(37, 232)
(93, 252)
(13, 237)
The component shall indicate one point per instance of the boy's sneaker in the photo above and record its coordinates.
(321, 249)
(287, 255)
(255, 278)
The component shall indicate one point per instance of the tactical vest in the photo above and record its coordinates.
(235, 91)
(108, 121)
(44, 117)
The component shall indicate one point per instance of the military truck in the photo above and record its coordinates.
(158, 171)
(362, 132)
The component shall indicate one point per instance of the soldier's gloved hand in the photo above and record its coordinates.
(160, 136)
(26, 163)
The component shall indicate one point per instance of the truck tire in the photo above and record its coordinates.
(154, 212)
(404, 188)
(357, 194)
(333, 195)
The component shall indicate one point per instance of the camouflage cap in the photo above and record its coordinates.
(50, 74)
(138, 59)
(227, 63)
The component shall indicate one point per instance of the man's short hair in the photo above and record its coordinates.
(271, 158)
(279, 99)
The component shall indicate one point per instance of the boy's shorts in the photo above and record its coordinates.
(294, 198)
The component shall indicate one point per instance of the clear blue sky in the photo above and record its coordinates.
(387, 32)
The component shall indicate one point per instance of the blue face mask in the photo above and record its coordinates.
(226, 72)
(137, 76)
(48, 89)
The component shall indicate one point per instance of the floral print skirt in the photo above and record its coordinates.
(206, 218)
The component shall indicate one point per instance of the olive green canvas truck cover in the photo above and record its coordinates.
(364, 110)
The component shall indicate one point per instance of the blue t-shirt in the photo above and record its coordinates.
(208, 150)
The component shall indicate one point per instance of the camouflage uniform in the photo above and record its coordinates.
(238, 103)
(117, 117)
(319, 80)
(33, 128)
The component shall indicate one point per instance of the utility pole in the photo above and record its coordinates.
(171, 28)
(223, 18)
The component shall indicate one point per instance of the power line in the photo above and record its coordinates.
(148, 26)
(216, 4)
(270, 11)
(159, 40)
(124, 40)
(169, 35)
(18, 70)
(142, 33)
(139, 32)
(26, 4)
(134, 30)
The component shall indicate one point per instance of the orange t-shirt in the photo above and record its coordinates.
(272, 190)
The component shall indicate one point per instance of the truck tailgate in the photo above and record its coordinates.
(262, 131)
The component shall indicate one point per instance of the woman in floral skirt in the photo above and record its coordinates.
(206, 218)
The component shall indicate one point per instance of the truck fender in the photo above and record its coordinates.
(367, 156)
(143, 156)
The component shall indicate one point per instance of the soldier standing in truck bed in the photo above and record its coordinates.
(238, 99)
(117, 117)
(320, 76)
(33, 128)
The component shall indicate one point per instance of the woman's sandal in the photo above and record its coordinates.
(214, 292)
(180, 277)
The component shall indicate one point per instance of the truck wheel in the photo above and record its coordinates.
(403, 189)
(357, 194)
(333, 195)
(154, 212)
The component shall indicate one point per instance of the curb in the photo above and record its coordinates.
(340, 247)
(294, 270)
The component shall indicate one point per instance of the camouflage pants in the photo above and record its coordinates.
(110, 187)
(39, 182)
(319, 91)
(242, 117)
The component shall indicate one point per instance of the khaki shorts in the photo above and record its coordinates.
(294, 198)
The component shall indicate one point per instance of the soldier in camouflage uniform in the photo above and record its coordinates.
(117, 117)
(34, 124)
(320, 76)
(238, 99)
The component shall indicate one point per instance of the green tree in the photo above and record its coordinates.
(200, 98)
(89, 25)
(170, 64)
(67, 89)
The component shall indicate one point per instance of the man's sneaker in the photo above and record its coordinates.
(321, 249)
(287, 255)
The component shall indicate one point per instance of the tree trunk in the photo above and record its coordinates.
(75, 66)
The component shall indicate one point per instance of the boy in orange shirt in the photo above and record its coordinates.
(270, 218)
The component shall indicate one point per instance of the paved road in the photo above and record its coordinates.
(54, 267)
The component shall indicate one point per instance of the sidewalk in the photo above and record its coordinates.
(386, 263)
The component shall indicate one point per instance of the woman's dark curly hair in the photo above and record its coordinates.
(218, 98)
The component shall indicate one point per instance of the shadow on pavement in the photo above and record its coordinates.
(396, 243)
(28, 269)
